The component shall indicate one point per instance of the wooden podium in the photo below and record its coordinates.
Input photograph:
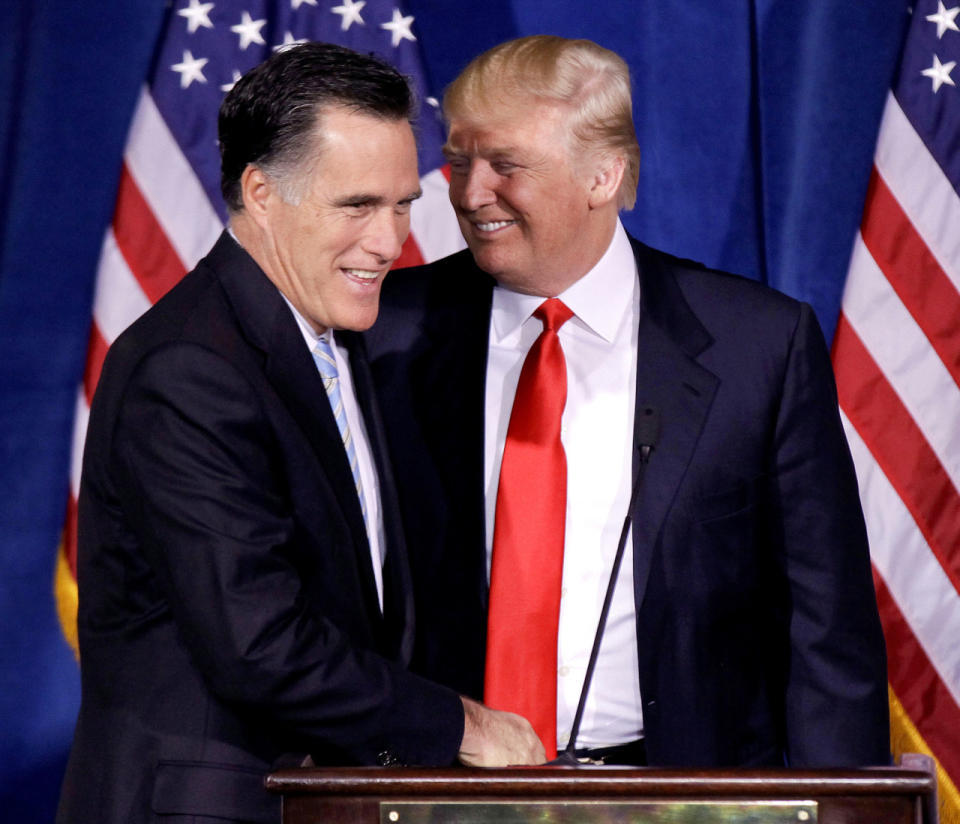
(612, 795)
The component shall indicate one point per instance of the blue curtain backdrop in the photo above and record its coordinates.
(756, 119)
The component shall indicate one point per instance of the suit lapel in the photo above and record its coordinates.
(293, 373)
(670, 380)
(268, 325)
(398, 610)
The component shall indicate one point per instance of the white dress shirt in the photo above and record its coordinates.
(600, 347)
(361, 442)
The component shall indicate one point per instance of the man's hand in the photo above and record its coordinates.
(492, 738)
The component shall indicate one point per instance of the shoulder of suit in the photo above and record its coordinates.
(447, 281)
(696, 279)
(733, 310)
(194, 310)
(440, 295)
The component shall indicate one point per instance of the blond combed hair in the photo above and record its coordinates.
(592, 83)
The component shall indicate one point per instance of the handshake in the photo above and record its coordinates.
(492, 738)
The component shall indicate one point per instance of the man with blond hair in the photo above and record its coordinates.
(559, 375)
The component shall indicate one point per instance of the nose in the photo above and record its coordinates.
(388, 231)
(473, 188)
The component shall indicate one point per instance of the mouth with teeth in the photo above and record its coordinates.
(364, 276)
(493, 225)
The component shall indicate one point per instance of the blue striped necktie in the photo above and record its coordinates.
(327, 364)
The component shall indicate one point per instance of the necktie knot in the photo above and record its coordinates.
(553, 313)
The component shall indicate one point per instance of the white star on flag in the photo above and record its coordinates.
(944, 18)
(226, 87)
(197, 14)
(190, 69)
(399, 27)
(288, 41)
(350, 13)
(249, 31)
(297, 3)
(939, 73)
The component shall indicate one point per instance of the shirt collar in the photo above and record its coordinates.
(309, 335)
(598, 300)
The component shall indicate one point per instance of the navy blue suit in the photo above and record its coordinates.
(228, 616)
(757, 628)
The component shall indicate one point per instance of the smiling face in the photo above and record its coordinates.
(329, 251)
(527, 211)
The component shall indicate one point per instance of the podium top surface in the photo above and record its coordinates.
(609, 781)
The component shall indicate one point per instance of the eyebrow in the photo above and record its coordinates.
(498, 153)
(374, 200)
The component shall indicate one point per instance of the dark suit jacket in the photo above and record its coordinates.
(758, 635)
(228, 611)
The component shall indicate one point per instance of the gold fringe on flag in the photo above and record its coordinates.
(904, 737)
(65, 592)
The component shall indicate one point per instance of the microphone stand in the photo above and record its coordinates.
(648, 432)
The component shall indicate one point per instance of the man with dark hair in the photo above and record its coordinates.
(523, 379)
(245, 599)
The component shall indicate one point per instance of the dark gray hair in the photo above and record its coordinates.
(273, 115)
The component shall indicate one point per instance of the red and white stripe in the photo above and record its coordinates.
(162, 225)
(896, 356)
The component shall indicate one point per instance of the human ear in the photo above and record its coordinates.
(257, 190)
(605, 184)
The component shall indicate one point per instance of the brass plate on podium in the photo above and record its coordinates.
(598, 812)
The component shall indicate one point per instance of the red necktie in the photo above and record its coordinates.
(527, 566)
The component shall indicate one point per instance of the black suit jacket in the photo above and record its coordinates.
(757, 628)
(228, 612)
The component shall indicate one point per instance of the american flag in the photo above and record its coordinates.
(897, 359)
(169, 211)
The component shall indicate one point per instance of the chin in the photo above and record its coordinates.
(361, 321)
(488, 259)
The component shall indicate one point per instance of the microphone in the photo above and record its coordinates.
(647, 433)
